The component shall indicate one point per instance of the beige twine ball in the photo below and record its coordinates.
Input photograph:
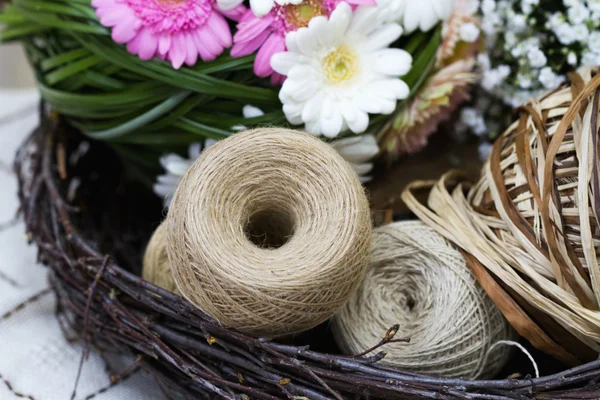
(269, 232)
(156, 267)
(420, 281)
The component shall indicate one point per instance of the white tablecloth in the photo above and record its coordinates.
(36, 361)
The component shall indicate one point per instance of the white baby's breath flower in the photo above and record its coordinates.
(565, 33)
(484, 150)
(510, 39)
(468, 32)
(517, 23)
(536, 57)
(578, 13)
(524, 81)
(572, 58)
(340, 70)
(571, 3)
(549, 79)
(581, 32)
(594, 42)
(556, 20)
(590, 59)
(528, 5)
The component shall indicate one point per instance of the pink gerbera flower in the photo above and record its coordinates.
(268, 32)
(176, 30)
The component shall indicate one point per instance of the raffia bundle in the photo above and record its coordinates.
(420, 281)
(530, 226)
(269, 232)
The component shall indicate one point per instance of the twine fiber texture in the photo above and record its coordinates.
(156, 267)
(269, 232)
(420, 281)
(530, 226)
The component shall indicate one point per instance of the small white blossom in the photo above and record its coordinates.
(468, 32)
(484, 61)
(536, 57)
(488, 6)
(510, 39)
(484, 150)
(581, 32)
(528, 5)
(594, 42)
(571, 3)
(518, 23)
(572, 58)
(549, 79)
(556, 20)
(589, 59)
(524, 81)
(578, 14)
(565, 33)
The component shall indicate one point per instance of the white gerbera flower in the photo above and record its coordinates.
(340, 70)
(411, 14)
(260, 8)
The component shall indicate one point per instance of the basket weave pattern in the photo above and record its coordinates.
(111, 308)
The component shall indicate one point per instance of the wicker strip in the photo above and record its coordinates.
(529, 227)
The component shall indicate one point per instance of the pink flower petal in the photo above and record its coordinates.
(219, 27)
(177, 53)
(262, 64)
(277, 79)
(115, 14)
(148, 44)
(206, 49)
(210, 41)
(251, 29)
(164, 43)
(192, 51)
(125, 30)
(134, 45)
(244, 48)
(235, 14)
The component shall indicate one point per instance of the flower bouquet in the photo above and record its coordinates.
(158, 79)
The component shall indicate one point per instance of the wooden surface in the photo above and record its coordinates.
(442, 154)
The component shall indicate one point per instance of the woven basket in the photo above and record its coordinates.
(90, 223)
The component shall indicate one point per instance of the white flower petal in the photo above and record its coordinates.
(320, 26)
(284, 61)
(360, 122)
(383, 37)
(331, 119)
(393, 89)
(313, 127)
(339, 20)
(365, 20)
(260, 8)
(226, 5)
(249, 111)
(393, 62)
(307, 41)
(362, 169)
(357, 149)
(312, 109)
(443, 9)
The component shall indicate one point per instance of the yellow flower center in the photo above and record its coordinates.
(341, 65)
(298, 16)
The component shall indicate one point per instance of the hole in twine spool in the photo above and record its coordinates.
(270, 228)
